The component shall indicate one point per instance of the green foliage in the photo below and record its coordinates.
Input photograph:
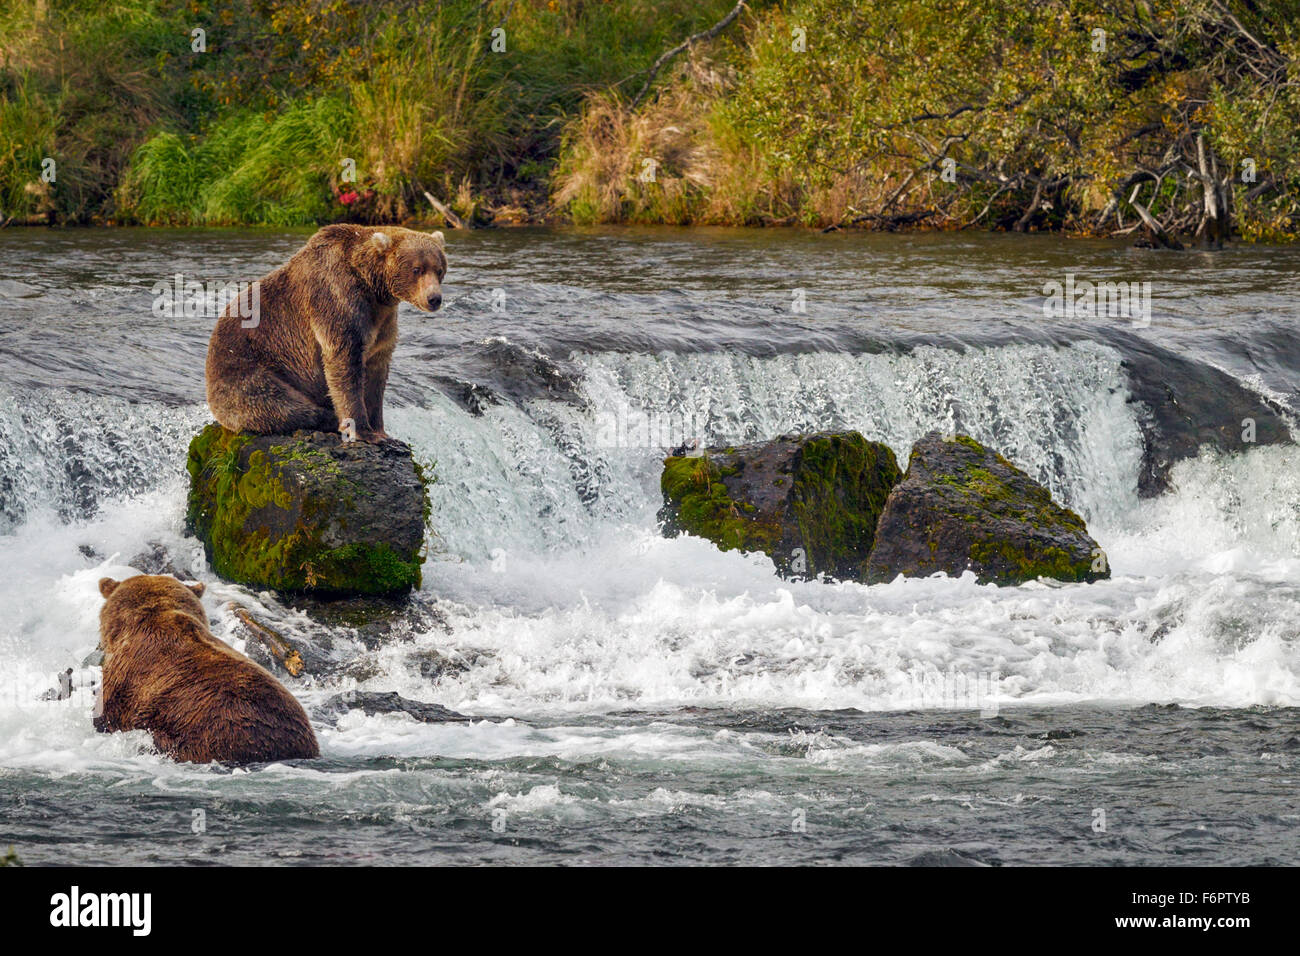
(1049, 112)
(245, 169)
(1046, 130)
(254, 128)
(80, 82)
(28, 126)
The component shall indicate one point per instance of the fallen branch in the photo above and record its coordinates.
(1155, 232)
(289, 658)
(893, 222)
(1259, 190)
(1022, 224)
(452, 220)
(708, 34)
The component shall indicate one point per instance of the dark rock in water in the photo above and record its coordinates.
(946, 857)
(1184, 406)
(386, 702)
(433, 666)
(314, 637)
(159, 560)
(496, 371)
(307, 512)
(810, 502)
(376, 620)
(961, 506)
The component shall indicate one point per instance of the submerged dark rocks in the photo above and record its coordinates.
(964, 507)
(1184, 406)
(837, 504)
(385, 702)
(308, 513)
(810, 502)
(316, 638)
(377, 620)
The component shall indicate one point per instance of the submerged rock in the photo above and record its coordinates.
(1183, 406)
(302, 636)
(307, 513)
(810, 502)
(962, 506)
(376, 621)
(945, 857)
(385, 702)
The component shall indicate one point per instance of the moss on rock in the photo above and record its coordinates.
(810, 502)
(307, 513)
(963, 506)
(700, 504)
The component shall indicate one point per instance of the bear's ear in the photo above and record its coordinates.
(107, 586)
(197, 587)
(381, 240)
(439, 238)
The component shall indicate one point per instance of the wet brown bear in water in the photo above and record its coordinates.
(166, 673)
(311, 348)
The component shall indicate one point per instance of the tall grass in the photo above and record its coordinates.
(79, 82)
(426, 117)
(245, 169)
(666, 163)
(416, 121)
(849, 129)
(255, 128)
(28, 127)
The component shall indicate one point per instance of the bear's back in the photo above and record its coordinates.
(200, 698)
(223, 706)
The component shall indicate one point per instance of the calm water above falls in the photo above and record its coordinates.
(647, 700)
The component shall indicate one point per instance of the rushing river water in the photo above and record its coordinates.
(638, 699)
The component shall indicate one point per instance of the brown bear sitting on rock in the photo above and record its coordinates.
(166, 673)
(310, 347)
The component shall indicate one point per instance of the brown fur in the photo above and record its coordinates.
(166, 673)
(319, 352)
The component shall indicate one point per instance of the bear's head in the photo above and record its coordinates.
(411, 265)
(140, 596)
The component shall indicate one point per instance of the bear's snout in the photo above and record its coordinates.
(427, 294)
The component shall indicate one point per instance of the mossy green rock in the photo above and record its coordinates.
(810, 502)
(307, 513)
(962, 506)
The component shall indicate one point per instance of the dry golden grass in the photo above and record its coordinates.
(659, 163)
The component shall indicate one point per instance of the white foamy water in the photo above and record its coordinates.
(560, 590)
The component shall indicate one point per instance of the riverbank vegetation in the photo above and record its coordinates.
(1161, 119)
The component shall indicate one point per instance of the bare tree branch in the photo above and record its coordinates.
(667, 55)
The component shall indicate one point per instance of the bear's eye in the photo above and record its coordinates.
(417, 270)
